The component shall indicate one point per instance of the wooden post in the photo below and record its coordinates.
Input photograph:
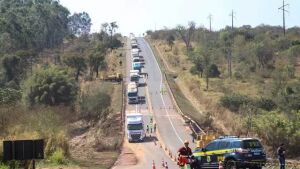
(33, 164)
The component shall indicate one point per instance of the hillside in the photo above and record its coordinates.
(259, 98)
(51, 87)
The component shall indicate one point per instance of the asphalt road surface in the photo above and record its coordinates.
(171, 130)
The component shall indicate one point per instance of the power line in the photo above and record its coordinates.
(210, 19)
(283, 15)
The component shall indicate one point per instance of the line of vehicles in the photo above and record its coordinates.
(231, 151)
(135, 121)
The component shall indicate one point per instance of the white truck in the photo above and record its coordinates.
(135, 52)
(135, 126)
(132, 93)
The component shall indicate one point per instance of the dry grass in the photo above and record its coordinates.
(101, 140)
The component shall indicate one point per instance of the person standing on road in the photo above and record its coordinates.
(154, 127)
(281, 156)
(183, 154)
(147, 128)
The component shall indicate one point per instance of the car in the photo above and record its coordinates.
(232, 151)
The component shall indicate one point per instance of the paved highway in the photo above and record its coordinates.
(171, 128)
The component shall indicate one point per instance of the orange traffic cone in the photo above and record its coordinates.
(220, 165)
(166, 166)
(153, 165)
(162, 163)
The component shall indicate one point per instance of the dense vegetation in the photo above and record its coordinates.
(47, 56)
(251, 72)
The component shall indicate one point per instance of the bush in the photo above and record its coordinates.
(214, 71)
(238, 75)
(276, 128)
(3, 166)
(58, 157)
(234, 101)
(50, 86)
(9, 96)
(95, 101)
(266, 104)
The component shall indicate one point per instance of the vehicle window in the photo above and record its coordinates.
(251, 144)
(135, 126)
(224, 145)
(211, 146)
(236, 144)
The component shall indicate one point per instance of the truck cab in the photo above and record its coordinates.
(135, 127)
(132, 93)
(134, 77)
(137, 66)
(136, 59)
(135, 52)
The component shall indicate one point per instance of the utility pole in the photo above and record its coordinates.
(231, 46)
(210, 19)
(232, 16)
(283, 15)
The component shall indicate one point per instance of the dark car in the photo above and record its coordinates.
(233, 152)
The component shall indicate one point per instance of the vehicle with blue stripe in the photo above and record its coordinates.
(233, 152)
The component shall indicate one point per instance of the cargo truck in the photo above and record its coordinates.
(132, 93)
(135, 130)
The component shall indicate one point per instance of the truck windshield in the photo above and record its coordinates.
(135, 126)
(134, 78)
(132, 94)
(251, 144)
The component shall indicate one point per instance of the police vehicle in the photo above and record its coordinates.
(233, 152)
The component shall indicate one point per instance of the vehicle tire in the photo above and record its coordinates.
(195, 165)
(256, 167)
(230, 164)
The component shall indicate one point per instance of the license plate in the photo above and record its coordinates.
(256, 154)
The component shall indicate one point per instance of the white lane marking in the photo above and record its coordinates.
(161, 82)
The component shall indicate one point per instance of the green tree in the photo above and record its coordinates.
(227, 43)
(170, 41)
(186, 34)
(96, 61)
(80, 23)
(50, 86)
(112, 29)
(12, 68)
(76, 61)
(32, 24)
(264, 54)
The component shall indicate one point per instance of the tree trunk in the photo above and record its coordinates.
(207, 79)
(97, 72)
(77, 74)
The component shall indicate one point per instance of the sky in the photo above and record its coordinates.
(138, 16)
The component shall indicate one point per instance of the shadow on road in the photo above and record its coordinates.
(142, 84)
(149, 138)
